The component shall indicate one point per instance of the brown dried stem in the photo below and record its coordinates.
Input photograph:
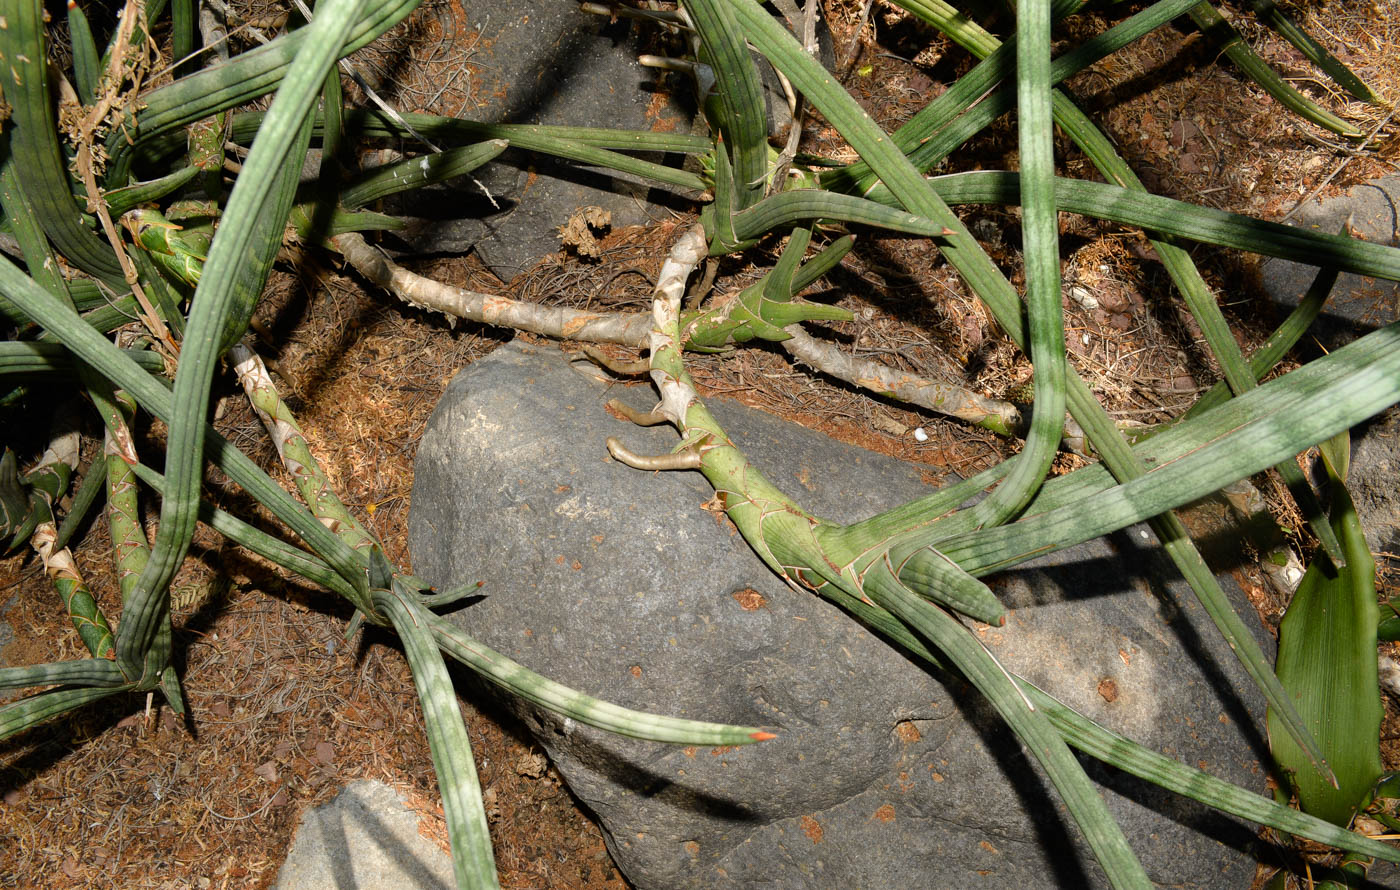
(565, 324)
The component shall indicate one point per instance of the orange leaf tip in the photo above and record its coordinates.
(762, 736)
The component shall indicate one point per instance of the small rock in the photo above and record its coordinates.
(365, 837)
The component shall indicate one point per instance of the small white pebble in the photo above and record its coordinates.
(920, 435)
(1084, 338)
(1083, 296)
(1145, 535)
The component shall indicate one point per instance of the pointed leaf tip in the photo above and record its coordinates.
(762, 736)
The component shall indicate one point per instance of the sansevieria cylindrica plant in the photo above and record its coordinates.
(137, 289)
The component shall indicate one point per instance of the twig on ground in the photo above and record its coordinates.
(944, 398)
(628, 329)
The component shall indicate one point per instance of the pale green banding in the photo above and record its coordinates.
(1314, 51)
(1129, 756)
(938, 578)
(968, 89)
(803, 205)
(251, 74)
(576, 705)
(1201, 303)
(233, 277)
(976, 663)
(472, 861)
(736, 110)
(156, 398)
(1041, 253)
(85, 672)
(294, 559)
(1197, 295)
(31, 358)
(1214, 26)
(596, 147)
(978, 271)
(1354, 392)
(85, 63)
(1279, 342)
(310, 480)
(19, 716)
(33, 142)
(1305, 386)
(369, 123)
(1182, 220)
(1125, 754)
(785, 537)
(416, 172)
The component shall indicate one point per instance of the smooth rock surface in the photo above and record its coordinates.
(1358, 304)
(546, 62)
(617, 582)
(1374, 483)
(365, 839)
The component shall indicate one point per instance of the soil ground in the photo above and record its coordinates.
(284, 712)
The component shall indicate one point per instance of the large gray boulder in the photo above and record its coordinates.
(617, 582)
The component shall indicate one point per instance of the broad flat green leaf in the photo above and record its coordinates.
(1327, 662)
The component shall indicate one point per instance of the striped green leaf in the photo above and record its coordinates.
(1327, 661)
(472, 859)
